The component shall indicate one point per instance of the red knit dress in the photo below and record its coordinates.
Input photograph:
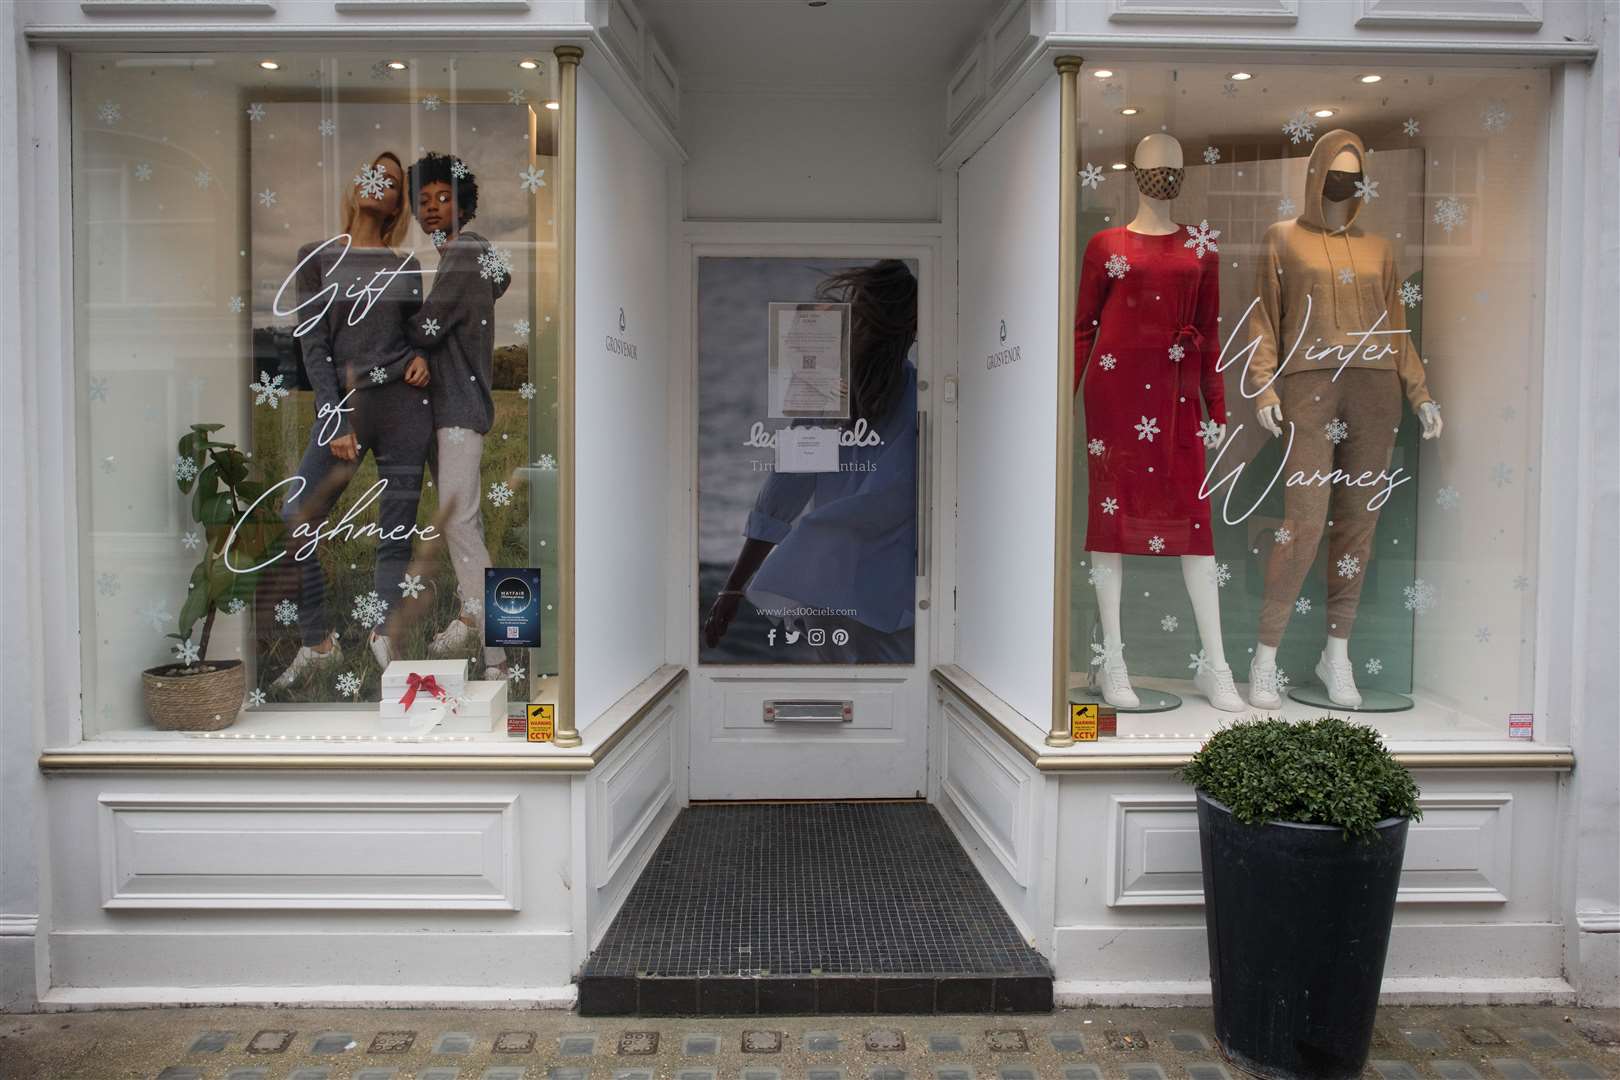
(1146, 341)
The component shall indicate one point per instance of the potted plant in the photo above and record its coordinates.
(1302, 828)
(194, 693)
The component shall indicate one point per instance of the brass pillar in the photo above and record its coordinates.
(1068, 240)
(566, 731)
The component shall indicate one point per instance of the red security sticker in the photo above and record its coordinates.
(1521, 725)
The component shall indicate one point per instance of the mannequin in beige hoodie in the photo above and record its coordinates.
(1332, 361)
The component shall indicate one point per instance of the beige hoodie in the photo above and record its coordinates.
(1306, 258)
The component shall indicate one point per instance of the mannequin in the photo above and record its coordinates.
(1325, 281)
(1145, 318)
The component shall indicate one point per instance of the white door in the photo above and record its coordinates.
(814, 683)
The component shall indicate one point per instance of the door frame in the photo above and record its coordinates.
(933, 249)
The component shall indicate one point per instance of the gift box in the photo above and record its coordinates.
(481, 708)
(409, 686)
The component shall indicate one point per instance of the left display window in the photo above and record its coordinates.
(316, 350)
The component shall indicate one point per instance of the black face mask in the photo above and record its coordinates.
(1341, 185)
(1160, 182)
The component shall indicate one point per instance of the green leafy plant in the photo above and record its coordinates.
(224, 496)
(1318, 772)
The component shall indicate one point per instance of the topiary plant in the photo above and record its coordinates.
(1316, 772)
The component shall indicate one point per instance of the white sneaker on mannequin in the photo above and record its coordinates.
(1215, 683)
(1116, 686)
(379, 649)
(305, 661)
(1263, 690)
(455, 638)
(1339, 676)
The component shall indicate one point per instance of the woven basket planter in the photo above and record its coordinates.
(206, 701)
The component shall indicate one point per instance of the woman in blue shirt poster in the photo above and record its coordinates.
(828, 558)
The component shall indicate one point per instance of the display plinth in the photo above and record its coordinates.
(1371, 700)
(1152, 701)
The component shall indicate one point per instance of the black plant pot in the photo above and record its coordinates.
(1298, 921)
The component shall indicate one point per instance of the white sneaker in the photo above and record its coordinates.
(458, 637)
(1263, 688)
(1216, 685)
(496, 673)
(1339, 676)
(306, 662)
(1116, 686)
(379, 649)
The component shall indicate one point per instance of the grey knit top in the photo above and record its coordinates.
(455, 330)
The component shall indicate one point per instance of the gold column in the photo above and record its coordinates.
(566, 732)
(1068, 206)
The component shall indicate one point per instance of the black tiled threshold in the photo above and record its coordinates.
(812, 908)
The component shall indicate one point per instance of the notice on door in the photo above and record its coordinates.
(809, 361)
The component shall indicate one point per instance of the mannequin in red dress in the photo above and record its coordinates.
(1146, 343)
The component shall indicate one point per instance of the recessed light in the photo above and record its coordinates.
(1369, 78)
(1323, 113)
(553, 105)
(528, 65)
(1129, 110)
(1240, 76)
(270, 65)
(1118, 165)
(1102, 73)
(396, 65)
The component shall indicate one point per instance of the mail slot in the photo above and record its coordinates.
(809, 712)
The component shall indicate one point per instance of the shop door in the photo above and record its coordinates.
(811, 623)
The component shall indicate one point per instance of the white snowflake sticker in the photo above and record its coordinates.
(1349, 566)
(156, 615)
(516, 96)
(1421, 597)
(521, 328)
(1346, 275)
(1283, 534)
(1223, 575)
(1156, 544)
(499, 493)
(202, 178)
(1117, 265)
(1147, 429)
(1201, 238)
(143, 172)
(1411, 293)
(526, 391)
(1169, 623)
(411, 586)
(430, 327)
(459, 170)
(1494, 117)
(1091, 176)
(378, 375)
(1374, 666)
(431, 103)
(1199, 662)
(255, 112)
(1303, 605)
(1447, 498)
(286, 613)
(328, 127)
(1107, 654)
(373, 181)
(1095, 447)
(185, 469)
(268, 390)
(186, 652)
(255, 698)
(547, 463)
(1336, 431)
(348, 684)
(1110, 505)
(1210, 432)
(190, 540)
(236, 305)
(1449, 213)
(1107, 361)
(267, 198)
(495, 264)
(1286, 207)
(532, 179)
(1211, 155)
(107, 584)
(1301, 127)
(1366, 190)
(110, 113)
(1096, 576)
(1410, 127)
(517, 673)
(1178, 352)
(369, 609)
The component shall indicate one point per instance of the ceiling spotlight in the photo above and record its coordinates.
(269, 65)
(1369, 78)
(553, 105)
(1240, 76)
(1102, 73)
(1324, 113)
(396, 65)
(528, 65)
(1118, 165)
(1129, 110)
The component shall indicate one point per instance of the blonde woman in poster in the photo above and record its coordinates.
(355, 293)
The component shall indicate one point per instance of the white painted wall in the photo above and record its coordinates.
(619, 531)
(1006, 422)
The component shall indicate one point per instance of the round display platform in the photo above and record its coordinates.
(1152, 700)
(1371, 700)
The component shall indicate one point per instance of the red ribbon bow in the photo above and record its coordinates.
(1189, 336)
(425, 683)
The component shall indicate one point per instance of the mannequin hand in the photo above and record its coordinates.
(1270, 417)
(1429, 413)
(1213, 434)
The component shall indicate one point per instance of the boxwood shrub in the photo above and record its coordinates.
(1317, 772)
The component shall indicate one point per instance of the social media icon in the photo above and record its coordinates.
(770, 636)
(840, 636)
(791, 637)
(818, 636)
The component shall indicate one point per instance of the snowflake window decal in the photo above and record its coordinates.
(1303, 605)
(1301, 127)
(1494, 117)
(1501, 474)
(143, 172)
(1286, 207)
(286, 613)
(430, 327)
(521, 328)
(1411, 293)
(267, 198)
(1096, 576)
(110, 113)
(459, 170)
(1211, 155)
(156, 614)
(369, 609)
(255, 698)
(185, 469)
(1223, 575)
(1091, 176)
(348, 684)
(1336, 431)
(1105, 653)
(1374, 666)
(517, 673)
(1421, 597)
(1449, 213)
(411, 586)
(532, 179)
(1107, 361)
(526, 391)
(1199, 662)
(1177, 352)
(1156, 544)
(1210, 432)
(1095, 447)
(378, 375)
(1201, 238)
(235, 606)
(1117, 265)
(432, 102)
(255, 112)
(236, 305)
(1411, 127)
(373, 181)
(1110, 505)
(1447, 498)
(1366, 189)
(1348, 566)
(1283, 534)
(499, 493)
(202, 178)
(547, 463)
(1346, 275)
(186, 652)
(495, 264)
(328, 126)
(107, 584)
(1169, 623)
(1147, 429)
(516, 96)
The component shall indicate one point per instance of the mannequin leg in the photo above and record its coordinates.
(1110, 584)
(1309, 401)
(1198, 571)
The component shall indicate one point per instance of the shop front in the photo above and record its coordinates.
(451, 441)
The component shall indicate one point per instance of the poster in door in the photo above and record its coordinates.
(807, 460)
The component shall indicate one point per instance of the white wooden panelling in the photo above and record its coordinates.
(965, 91)
(621, 27)
(291, 851)
(1453, 14)
(1460, 853)
(993, 794)
(662, 81)
(1269, 11)
(632, 790)
(1013, 33)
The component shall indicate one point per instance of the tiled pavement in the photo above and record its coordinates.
(1432, 1043)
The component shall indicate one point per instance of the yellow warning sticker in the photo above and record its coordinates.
(542, 722)
(1083, 722)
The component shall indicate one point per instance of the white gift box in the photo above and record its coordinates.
(421, 720)
(482, 708)
(449, 675)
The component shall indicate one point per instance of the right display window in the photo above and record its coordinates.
(1308, 360)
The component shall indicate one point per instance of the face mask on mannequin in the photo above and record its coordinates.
(1161, 182)
(1340, 185)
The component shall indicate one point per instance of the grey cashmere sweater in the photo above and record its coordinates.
(455, 329)
(350, 346)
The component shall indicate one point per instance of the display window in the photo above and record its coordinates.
(1307, 394)
(317, 358)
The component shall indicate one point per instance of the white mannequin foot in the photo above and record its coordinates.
(379, 649)
(1263, 689)
(1339, 676)
(306, 661)
(457, 637)
(1116, 686)
(1215, 683)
